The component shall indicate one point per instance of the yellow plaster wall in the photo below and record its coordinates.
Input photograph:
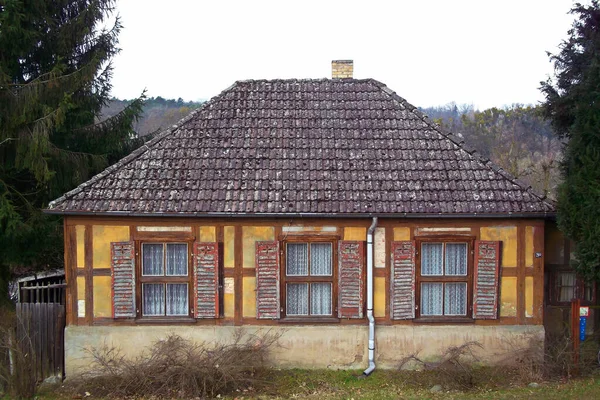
(529, 296)
(229, 247)
(508, 297)
(402, 233)
(355, 233)
(249, 285)
(529, 246)
(508, 236)
(251, 235)
(379, 296)
(80, 232)
(208, 234)
(102, 237)
(102, 291)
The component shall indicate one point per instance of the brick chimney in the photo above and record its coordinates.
(342, 69)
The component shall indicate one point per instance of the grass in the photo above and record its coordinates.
(328, 384)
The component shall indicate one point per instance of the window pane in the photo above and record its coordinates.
(154, 298)
(320, 299)
(588, 293)
(455, 299)
(297, 298)
(431, 298)
(566, 286)
(177, 259)
(320, 259)
(431, 259)
(456, 259)
(297, 259)
(177, 299)
(152, 261)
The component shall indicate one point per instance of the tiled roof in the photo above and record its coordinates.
(342, 146)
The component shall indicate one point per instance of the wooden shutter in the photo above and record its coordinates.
(402, 299)
(206, 279)
(351, 259)
(122, 265)
(267, 280)
(487, 269)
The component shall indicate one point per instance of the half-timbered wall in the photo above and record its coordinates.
(88, 258)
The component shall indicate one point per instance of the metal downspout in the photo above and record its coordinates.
(370, 317)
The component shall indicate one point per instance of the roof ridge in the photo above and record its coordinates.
(460, 143)
(136, 153)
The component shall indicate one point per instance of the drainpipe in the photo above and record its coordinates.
(370, 317)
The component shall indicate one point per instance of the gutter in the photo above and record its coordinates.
(370, 317)
(548, 214)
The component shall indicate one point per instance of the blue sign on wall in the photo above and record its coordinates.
(582, 324)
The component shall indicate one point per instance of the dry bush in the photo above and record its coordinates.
(456, 366)
(523, 358)
(17, 376)
(178, 367)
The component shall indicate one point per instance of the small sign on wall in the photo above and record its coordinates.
(229, 282)
(81, 308)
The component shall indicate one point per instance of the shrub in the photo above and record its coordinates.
(178, 367)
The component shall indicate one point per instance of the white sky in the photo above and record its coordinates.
(481, 52)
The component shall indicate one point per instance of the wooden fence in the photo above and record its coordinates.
(40, 334)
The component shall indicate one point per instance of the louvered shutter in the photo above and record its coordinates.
(122, 265)
(267, 280)
(486, 279)
(351, 259)
(402, 298)
(206, 280)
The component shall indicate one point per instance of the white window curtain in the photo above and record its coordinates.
(152, 260)
(297, 298)
(432, 259)
(456, 259)
(431, 298)
(566, 285)
(320, 259)
(455, 299)
(153, 295)
(297, 259)
(177, 259)
(177, 299)
(320, 299)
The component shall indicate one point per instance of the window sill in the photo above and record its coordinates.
(445, 320)
(309, 320)
(165, 320)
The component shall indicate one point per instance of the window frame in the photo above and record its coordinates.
(468, 278)
(164, 279)
(578, 289)
(333, 278)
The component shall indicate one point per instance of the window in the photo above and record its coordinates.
(308, 279)
(568, 286)
(165, 279)
(444, 279)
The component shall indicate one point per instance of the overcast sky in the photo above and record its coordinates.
(481, 52)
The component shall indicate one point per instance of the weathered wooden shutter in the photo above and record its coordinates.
(206, 280)
(122, 265)
(351, 259)
(267, 280)
(402, 298)
(486, 279)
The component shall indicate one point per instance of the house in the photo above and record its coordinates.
(330, 210)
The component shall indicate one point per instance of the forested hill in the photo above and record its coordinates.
(158, 113)
(516, 138)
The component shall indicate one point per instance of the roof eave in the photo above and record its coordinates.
(534, 215)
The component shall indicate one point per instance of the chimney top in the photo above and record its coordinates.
(342, 69)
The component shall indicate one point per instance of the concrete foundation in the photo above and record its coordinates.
(342, 347)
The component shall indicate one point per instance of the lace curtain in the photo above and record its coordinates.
(455, 299)
(152, 259)
(297, 259)
(320, 298)
(456, 259)
(431, 298)
(177, 299)
(297, 298)
(320, 259)
(177, 259)
(432, 259)
(153, 298)
(566, 285)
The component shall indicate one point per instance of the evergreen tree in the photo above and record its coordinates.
(55, 70)
(573, 105)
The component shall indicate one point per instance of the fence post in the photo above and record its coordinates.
(575, 303)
